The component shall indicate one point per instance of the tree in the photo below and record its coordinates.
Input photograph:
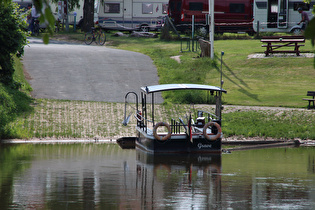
(310, 29)
(12, 39)
(88, 15)
(88, 12)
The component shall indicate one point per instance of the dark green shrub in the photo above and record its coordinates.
(12, 40)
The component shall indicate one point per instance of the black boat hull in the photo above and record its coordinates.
(178, 144)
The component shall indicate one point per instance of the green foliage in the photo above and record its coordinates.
(310, 33)
(12, 40)
(14, 104)
(310, 29)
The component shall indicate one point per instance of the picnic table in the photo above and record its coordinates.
(276, 44)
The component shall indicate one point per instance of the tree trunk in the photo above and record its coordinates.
(88, 15)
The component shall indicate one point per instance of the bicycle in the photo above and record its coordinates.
(95, 35)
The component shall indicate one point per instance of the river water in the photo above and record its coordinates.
(104, 176)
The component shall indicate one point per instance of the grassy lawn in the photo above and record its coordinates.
(277, 81)
(273, 81)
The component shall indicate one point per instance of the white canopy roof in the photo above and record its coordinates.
(166, 87)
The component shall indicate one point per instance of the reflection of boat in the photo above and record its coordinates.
(178, 180)
(202, 136)
(185, 162)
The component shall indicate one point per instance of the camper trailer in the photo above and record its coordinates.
(279, 15)
(229, 15)
(128, 15)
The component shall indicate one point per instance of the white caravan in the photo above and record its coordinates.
(279, 15)
(132, 14)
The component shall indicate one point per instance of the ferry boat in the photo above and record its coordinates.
(196, 134)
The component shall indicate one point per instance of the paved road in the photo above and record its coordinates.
(90, 73)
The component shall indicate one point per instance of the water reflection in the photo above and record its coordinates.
(311, 164)
(103, 176)
(276, 178)
(179, 181)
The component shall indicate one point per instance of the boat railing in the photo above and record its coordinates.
(210, 114)
(175, 126)
(141, 120)
(197, 127)
(178, 126)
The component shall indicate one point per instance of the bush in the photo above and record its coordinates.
(12, 40)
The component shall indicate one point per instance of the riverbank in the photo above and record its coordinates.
(229, 144)
(58, 120)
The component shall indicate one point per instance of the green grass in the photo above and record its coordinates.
(15, 104)
(268, 81)
(279, 82)
(275, 124)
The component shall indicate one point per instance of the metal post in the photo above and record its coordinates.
(222, 53)
(258, 28)
(192, 31)
(153, 109)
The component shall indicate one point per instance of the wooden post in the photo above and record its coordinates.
(205, 47)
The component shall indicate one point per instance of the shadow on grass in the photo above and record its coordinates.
(13, 104)
(237, 81)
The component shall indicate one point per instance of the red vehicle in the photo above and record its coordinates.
(229, 15)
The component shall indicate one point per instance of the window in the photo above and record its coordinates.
(261, 5)
(196, 6)
(112, 8)
(147, 8)
(237, 8)
(274, 8)
(164, 11)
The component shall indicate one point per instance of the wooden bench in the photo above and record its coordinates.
(275, 44)
(310, 100)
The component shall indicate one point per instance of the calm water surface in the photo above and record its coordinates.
(104, 176)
